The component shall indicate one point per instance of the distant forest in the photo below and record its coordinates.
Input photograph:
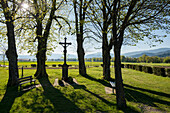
(143, 58)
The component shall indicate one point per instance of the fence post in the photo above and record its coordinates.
(22, 72)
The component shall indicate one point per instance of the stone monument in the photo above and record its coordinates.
(65, 66)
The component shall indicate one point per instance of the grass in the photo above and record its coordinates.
(50, 63)
(144, 93)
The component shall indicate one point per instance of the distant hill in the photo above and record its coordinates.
(96, 55)
(53, 56)
(161, 52)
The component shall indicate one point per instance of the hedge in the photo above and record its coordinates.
(126, 65)
(131, 66)
(138, 67)
(122, 65)
(33, 65)
(147, 69)
(160, 71)
(54, 65)
(167, 72)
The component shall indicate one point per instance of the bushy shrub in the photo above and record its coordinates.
(54, 65)
(160, 71)
(126, 65)
(132, 66)
(122, 65)
(138, 67)
(167, 72)
(33, 65)
(147, 69)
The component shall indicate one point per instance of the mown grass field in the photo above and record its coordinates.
(145, 93)
(87, 63)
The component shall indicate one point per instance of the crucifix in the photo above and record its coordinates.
(65, 66)
(65, 45)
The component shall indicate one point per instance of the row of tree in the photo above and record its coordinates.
(111, 22)
(144, 59)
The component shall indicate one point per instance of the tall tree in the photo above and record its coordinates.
(9, 11)
(80, 8)
(42, 37)
(40, 17)
(134, 20)
(131, 21)
(100, 17)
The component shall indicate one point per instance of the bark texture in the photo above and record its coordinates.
(120, 97)
(106, 62)
(80, 52)
(12, 56)
(11, 52)
(41, 58)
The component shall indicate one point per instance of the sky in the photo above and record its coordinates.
(141, 46)
(89, 48)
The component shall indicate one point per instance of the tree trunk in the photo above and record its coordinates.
(105, 47)
(106, 62)
(80, 52)
(120, 98)
(42, 42)
(79, 33)
(41, 58)
(41, 53)
(11, 54)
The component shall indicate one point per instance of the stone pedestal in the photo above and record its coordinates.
(64, 71)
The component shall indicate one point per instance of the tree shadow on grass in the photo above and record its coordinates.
(9, 97)
(128, 109)
(60, 103)
(134, 94)
(101, 81)
(149, 91)
(99, 97)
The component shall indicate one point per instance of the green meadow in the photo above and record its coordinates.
(145, 93)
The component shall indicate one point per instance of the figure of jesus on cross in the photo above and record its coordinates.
(65, 45)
